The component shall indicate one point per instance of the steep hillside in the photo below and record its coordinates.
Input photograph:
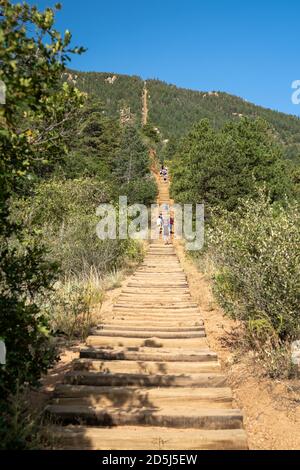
(174, 110)
(115, 91)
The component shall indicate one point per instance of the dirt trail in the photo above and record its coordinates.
(147, 378)
(145, 110)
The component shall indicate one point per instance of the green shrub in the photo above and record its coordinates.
(27, 278)
(140, 191)
(219, 168)
(65, 213)
(276, 362)
(150, 131)
(256, 255)
(20, 424)
(70, 308)
(55, 200)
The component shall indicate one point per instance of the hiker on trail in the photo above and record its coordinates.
(171, 224)
(159, 223)
(166, 230)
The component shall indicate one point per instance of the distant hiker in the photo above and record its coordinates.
(171, 224)
(159, 223)
(166, 230)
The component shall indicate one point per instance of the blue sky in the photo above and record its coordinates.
(247, 48)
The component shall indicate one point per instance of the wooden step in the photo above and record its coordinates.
(149, 276)
(143, 314)
(139, 324)
(176, 417)
(158, 291)
(158, 283)
(145, 380)
(152, 298)
(167, 262)
(146, 367)
(130, 398)
(156, 315)
(146, 354)
(145, 278)
(163, 274)
(153, 342)
(142, 327)
(144, 274)
(145, 321)
(161, 255)
(158, 270)
(172, 320)
(138, 396)
(167, 251)
(160, 309)
(148, 334)
(158, 306)
(146, 438)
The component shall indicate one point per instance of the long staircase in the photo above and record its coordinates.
(147, 378)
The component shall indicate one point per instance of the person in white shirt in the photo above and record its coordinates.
(159, 223)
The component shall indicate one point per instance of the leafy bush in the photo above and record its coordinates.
(256, 254)
(140, 191)
(65, 212)
(54, 200)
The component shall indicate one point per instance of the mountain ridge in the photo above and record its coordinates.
(175, 109)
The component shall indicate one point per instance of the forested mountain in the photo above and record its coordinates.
(174, 110)
(114, 91)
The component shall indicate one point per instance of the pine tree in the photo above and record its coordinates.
(132, 159)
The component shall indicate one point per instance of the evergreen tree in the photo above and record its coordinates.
(132, 159)
(93, 151)
(218, 168)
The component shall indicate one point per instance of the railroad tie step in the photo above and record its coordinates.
(175, 417)
(145, 354)
(107, 378)
(143, 438)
